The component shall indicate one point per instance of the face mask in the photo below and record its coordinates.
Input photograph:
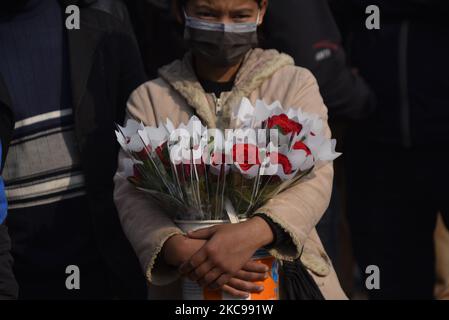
(220, 44)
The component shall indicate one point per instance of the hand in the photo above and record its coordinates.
(242, 284)
(178, 249)
(229, 248)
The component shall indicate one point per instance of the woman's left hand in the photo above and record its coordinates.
(228, 249)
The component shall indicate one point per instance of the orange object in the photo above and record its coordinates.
(271, 284)
(192, 291)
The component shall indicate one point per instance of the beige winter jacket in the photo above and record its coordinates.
(177, 94)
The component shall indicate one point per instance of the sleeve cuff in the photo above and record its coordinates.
(280, 236)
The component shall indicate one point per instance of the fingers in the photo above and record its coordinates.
(201, 271)
(195, 261)
(251, 276)
(220, 282)
(245, 286)
(210, 277)
(235, 293)
(236, 287)
(205, 233)
(253, 266)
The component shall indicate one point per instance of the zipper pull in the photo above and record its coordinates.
(218, 105)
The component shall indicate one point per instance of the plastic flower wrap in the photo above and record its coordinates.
(295, 145)
(215, 175)
(168, 164)
(244, 181)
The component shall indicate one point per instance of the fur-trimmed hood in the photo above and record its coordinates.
(258, 66)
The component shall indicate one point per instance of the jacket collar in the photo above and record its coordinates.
(258, 66)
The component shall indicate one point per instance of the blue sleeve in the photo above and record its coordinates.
(3, 203)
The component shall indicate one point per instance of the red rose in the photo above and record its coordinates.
(162, 153)
(215, 159)
(285, 124)
(144, 154)
(184, 170)
(250, 155)
(302, 146)
(200, 169)
(284, 161)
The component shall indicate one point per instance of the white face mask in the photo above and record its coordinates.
(220, 44)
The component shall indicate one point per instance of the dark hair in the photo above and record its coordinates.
(183, 2)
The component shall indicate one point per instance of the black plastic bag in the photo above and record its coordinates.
(298, 284)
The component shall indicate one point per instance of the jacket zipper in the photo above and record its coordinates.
(218, 104)
(403, 85)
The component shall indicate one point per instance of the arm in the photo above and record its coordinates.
(8, 284)
(158, 242)
(280, 237)
(298, 209)
(145, 224)
(6, 129)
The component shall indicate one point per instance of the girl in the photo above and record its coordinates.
(222, 67)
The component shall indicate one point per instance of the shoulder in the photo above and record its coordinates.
(290, 80)
(155, 100)
(153, 87)
(149, 94)
(295, 87)
(296, 75)
(276, 68)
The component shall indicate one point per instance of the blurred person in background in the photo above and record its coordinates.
(159, 35)
(8, 284)
(441, 239)
(397, 158)
(67, 87)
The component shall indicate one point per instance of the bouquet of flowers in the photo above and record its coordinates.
(207, 176)
(214, 175)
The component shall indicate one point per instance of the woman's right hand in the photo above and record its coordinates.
(179, 249)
